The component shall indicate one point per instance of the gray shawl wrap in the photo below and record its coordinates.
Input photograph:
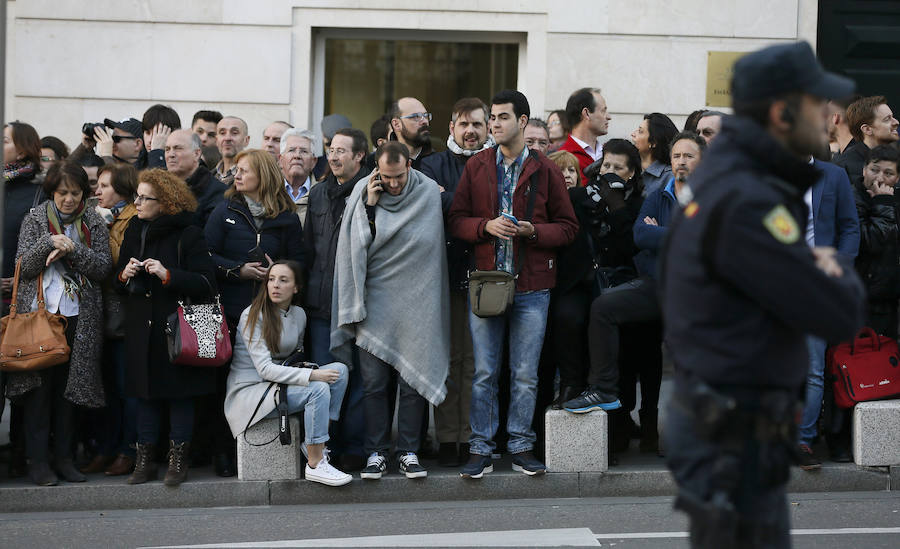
(85, 384)
(390, 293)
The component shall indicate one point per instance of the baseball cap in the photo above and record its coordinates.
(785, 68)
(334, 122)
(130, 125)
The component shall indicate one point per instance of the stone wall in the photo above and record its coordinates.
(70, 61)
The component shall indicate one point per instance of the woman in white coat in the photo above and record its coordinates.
(269, 331)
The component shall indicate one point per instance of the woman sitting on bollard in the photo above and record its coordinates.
(271, 330)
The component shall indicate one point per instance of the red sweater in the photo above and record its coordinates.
(476, 202)
(584, 159)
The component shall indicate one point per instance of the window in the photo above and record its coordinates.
(363, 77)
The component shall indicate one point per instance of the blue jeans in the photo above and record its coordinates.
(527, 319)
(815, 389)
(319, 401)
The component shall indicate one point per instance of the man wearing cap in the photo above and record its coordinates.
(124, 144)
(740, 290)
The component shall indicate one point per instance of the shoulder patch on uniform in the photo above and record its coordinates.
(691, 210)
(782, 225)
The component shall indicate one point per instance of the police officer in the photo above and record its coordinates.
(740, 289)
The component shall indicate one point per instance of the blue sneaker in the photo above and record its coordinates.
(477, 466)
(525, 462)
(592, 399)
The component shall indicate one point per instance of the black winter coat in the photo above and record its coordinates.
(233, 238)
(323, 219)
(21, 194)
(877, 260)
(604, 239)
(209, 191)
(148, 303)
(446, 169)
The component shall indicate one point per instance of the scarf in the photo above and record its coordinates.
(456, 149)
(56, 221)
(337, 195)
(257, 210)
(405, 257)
(17, 169)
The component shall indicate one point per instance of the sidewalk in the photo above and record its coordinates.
(638, 476)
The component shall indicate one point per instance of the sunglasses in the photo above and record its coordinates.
(117, 138)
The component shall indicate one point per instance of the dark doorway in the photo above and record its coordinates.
(861, 39)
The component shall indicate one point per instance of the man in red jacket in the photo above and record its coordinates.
(589, 120)
(498, 181)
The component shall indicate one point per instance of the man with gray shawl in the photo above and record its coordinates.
(391, 300)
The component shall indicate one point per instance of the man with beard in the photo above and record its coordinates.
(468, 136)
(740, 290)
(297, 161)
(410, 123)
(327, 199)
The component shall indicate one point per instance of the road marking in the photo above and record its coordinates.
(795, 532)
(573, 537)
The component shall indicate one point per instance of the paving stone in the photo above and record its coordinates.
(876, 433)
(576, 442)
(271, 461)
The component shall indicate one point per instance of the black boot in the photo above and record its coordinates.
(144, 466)
(66, 469)
(566, 393)
(649, 431)
(41, 474)
(178, 463)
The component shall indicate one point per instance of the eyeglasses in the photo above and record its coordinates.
(298, 152)
(117, 138)
(339, 152)
(140, 199)
(540, 142)
(47, 159)
(417, 116)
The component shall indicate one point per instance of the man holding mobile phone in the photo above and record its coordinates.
(496, 181)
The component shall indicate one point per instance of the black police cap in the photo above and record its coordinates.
(785, 68)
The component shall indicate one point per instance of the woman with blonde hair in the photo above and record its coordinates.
(252, 228)
(163, 259)
(568, 164)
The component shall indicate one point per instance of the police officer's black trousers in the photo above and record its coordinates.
(760, 503)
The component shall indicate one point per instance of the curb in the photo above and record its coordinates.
(203, 489)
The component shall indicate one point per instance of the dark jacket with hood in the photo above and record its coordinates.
(877, 259)
(234, 240)
(323, 219)
(740, 289)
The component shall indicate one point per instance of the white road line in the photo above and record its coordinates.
(573, 537)
(795, 532)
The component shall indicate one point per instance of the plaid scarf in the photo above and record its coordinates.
(74, 281)
(17, 169)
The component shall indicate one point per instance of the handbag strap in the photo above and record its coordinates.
(253, 415)
(529, 211)
(13, 304)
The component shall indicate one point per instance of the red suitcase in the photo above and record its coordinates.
(867, 368)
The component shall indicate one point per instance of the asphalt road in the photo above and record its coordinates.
(819, 520)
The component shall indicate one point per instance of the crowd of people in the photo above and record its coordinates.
(357, 251)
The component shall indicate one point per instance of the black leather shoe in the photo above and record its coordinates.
(841, 455)
(566, 393)
(66, 469)
(41, 474)
(224, 465)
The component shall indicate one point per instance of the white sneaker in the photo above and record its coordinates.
(325, 473)
(305, 452)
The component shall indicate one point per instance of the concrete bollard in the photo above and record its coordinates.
(576, 442)
(272, 461)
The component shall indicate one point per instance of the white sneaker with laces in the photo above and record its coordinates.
(325, 473)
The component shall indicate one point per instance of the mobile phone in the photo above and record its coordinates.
(510, 217)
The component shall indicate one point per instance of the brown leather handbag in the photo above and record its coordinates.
(35, 340)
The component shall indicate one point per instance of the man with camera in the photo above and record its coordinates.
(120, 141)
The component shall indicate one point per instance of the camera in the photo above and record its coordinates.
(88, 128)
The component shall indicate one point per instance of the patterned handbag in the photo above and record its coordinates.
(197, 333)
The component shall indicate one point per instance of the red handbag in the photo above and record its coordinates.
(198, 335)
(867, 368)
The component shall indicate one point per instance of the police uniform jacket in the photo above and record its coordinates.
(740, 285)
